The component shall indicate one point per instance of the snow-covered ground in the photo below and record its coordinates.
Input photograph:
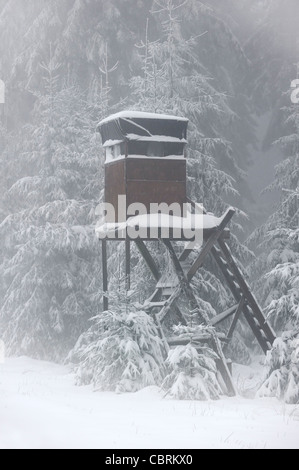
(41, 408)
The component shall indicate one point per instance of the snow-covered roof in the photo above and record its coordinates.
(134, 125)
(140, 115)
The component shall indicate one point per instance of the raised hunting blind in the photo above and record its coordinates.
(145, 160)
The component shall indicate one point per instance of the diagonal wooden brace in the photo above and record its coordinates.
(148, 258)
(184, 283)
(210, 243)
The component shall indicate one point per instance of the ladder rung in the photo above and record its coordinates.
(237, 286)
(224, 263)
(220, 255)
(263, 334)
(154, 305)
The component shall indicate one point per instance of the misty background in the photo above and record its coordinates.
(225, 64)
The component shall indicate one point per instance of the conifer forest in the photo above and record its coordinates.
(169, 369)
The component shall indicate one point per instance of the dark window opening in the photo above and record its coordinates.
(155, 149)
(171, 148)
(137, 148)
(116, 151)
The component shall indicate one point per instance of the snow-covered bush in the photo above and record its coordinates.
(283, 363)
(121, 352)
(192, 373)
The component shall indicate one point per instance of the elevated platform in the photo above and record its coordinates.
(211, 231)
(193, 228)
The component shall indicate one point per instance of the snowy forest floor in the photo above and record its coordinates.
(40, 407)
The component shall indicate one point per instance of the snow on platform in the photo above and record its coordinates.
(40, 408)
(187, 226)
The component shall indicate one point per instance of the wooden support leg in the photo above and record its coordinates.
(148, 259)
(105, 275)
(223, 366)
(235, 320)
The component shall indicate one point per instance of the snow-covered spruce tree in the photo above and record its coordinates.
(172, 80)
(122, 351)
(273, 51)
(192, 370)
(276, 270)
(51, 256)
(283, 376)
(193, 374)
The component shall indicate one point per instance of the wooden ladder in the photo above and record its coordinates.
(169, 289)
(241, 292)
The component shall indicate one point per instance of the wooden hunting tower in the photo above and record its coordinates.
(144, 158)
(146, 162)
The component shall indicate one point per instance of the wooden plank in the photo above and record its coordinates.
(223, 316)
(168, 305)
(199, 338)
(223, 367)
(148, 259)
(210, 243)
(150, 305)
(236, 319)
(105, 275)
